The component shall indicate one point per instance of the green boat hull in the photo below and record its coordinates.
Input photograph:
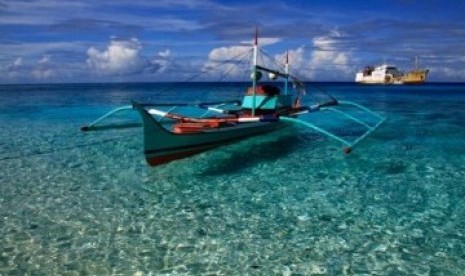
(162, 145)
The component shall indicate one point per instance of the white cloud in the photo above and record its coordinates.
(216, 65)
(44, 60)
(264, 41)
(297, 60)
(231, 52)
(159, 63)
(124, 57)
(241, 60)
(327, 55)
(13, 70)
(18, 62)
(120, 57)
(43, 69)
(447, 72)
(226, 53)
(42, 74)
(165, 53)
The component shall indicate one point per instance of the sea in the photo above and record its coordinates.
(286, 203)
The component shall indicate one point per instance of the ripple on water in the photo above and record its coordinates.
(275, 205)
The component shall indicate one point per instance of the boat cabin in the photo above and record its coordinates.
(385, 70)
(380, 74)
(268, 99)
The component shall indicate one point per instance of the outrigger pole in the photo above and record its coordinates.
(92, 126)
(328, 106)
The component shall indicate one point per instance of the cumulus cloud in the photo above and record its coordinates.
(327, 55)
(218, 56)
(39, 70)
(450, 73)
(164, 54)
(13, 70)
(124, 57)
(44, 60)
(227, 53)
(159, 63)
(43, 69)
(315, 64)
(18, 62)
(239, 55)
(263, 41)
(120, 57)
(324, 59)
(297, 60)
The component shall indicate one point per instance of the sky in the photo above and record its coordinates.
(58, 41)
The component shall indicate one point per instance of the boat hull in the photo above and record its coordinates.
(415, 77)
(380, 76)
(162, 145)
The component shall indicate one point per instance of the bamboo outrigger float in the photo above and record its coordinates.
(171, 134)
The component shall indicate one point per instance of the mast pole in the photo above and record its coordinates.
(286, 71)
(254, 70)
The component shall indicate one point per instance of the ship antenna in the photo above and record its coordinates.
(256, 36)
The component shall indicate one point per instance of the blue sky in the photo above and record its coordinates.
(168, 40)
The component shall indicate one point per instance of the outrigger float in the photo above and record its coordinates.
(170, 134)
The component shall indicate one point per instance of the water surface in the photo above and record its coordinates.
(280, 204)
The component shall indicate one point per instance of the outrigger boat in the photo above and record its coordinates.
(170, 133)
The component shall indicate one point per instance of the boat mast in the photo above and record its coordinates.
(286, 71)
(254, 70)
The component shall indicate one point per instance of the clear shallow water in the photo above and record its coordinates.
(280, 204)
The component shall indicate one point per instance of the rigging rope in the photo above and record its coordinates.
(239, 59)
(298, 77)
(203, 71)
(245, 74)
(273, 60)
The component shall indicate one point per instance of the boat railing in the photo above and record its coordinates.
(208, 106)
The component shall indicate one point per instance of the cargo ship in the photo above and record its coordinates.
(390, 74)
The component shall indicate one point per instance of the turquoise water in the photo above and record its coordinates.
(288, 203)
